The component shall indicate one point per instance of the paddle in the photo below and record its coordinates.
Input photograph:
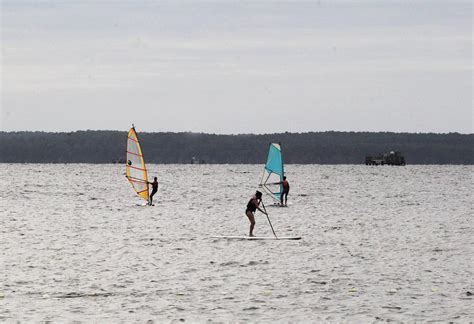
(268, 217)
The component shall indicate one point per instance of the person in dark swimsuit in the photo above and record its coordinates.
(154, 186)
(286, 189)
(252, 206)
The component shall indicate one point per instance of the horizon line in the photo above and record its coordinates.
(233, 134)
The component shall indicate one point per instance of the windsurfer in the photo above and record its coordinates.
(286, 189)
(154, 186)
(252, 206)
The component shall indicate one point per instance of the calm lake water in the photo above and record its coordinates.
(379, 243)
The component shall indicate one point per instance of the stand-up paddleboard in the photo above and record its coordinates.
(255, 238)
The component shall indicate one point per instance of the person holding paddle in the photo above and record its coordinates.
(252, 206)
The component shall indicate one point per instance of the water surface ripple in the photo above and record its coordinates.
(379, 243)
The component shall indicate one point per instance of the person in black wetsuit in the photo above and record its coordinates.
(154, 186)
(252, 206)
(286, 189)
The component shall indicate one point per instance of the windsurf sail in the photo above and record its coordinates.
(273, 172)
(136, 171)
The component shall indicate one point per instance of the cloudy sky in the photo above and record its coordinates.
(232, 66)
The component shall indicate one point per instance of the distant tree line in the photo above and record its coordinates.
(304, 148)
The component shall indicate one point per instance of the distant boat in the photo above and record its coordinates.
(195, 160)
(136, 171)
(273, 173)
(391, 158)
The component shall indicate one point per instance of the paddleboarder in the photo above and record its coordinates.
(154, 186)
(252, 206)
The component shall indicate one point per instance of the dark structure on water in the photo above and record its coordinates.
(391, 158)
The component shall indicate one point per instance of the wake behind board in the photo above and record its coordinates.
(255, 238)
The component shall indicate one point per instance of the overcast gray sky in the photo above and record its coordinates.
(237, 66)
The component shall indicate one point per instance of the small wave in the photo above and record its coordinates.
(392, 307)
(81, 295)
(281, 296)
(252, 308)
(230, 263)
(254, 263)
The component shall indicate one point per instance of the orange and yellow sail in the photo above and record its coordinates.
(136, 171)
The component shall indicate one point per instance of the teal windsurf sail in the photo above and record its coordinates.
(273, 172)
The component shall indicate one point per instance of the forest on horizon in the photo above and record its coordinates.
(301, 148)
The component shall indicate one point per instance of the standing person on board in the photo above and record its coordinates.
(154, 186)
(252, 206)
(286, 189)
